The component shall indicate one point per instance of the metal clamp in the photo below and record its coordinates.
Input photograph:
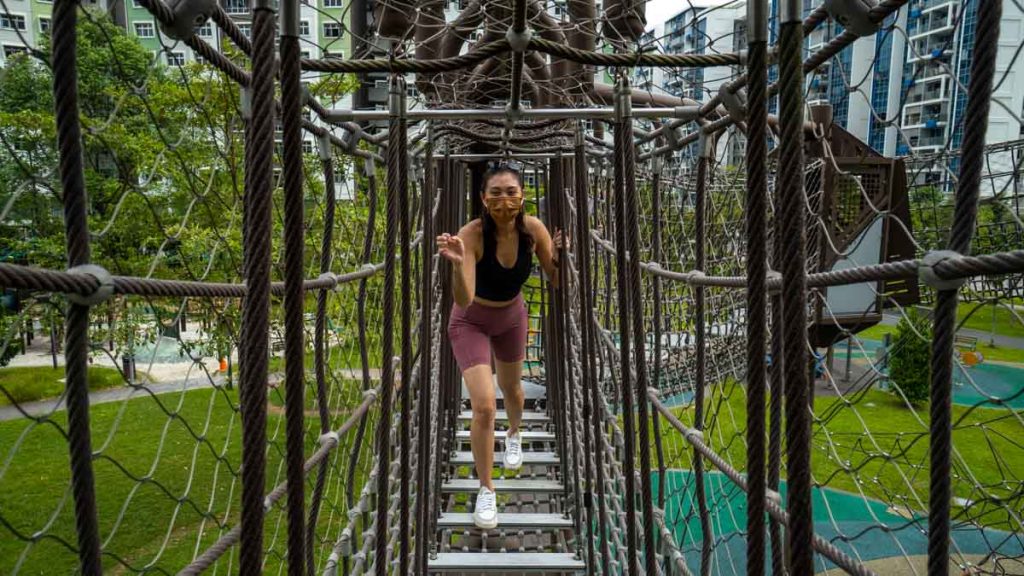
(735, 102)
(351, 139)
(518, 41)
(657, 165)
(706, 144)
(330, 438)
(926, 272)
(245, 102)
(329, 276)
(323, 146)
(854, 15)
(98, 296)
(189, 16)
(369, 167)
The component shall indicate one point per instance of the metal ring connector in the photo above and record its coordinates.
(926, 272)
(101, 294)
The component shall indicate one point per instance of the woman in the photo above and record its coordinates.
(491, 258)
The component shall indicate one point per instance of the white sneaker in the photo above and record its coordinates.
(486, 514)
(513, 451)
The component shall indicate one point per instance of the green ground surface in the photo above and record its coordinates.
(26, 384)
(1006, 324)
(872, 443)
(994, 353)
(165, 473)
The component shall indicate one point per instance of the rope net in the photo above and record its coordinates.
(791, 297)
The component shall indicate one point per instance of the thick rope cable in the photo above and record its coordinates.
(383, 443)
(255, 321)
(790, 228)
(76, 235)
(700, 330)
(632, 229)
(623, 136)
(294, 344)
(406, 324)
(756, 211)
(983, 62)
(424, 524)
(319, 357)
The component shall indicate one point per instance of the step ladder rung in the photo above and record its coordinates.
(528, 416)
(518, 562)
(529, 458)
(504, 485)
(509, 521)
(525, 435)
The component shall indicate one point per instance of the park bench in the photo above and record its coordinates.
(969, 343)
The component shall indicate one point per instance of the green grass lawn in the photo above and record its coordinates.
(1006, 324)
(878, 446)
(166, 476)
(994, 353)
(26, 384)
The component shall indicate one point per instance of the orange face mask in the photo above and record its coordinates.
(504, 209)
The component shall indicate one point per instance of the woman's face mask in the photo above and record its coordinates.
(504, 209)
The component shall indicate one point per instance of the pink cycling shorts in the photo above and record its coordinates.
(476, 330)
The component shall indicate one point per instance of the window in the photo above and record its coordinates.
(206, 30)
(307, 146)
(236, 6)
(304, 54)
(44, 25)
(12, 21)
(245, 29)
(332, 3)
(10, 51)
(332, 30)
(342, 190)
(145, 30)
(175, 58)
(304, 28)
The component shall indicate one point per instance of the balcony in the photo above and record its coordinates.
(931, 22)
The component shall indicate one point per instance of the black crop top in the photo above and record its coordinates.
(496, 283)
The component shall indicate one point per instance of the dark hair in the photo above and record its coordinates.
(490, 227)
(496, 169)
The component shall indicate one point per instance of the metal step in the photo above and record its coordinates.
(509, 521)
(531, 391)
(517, 562)
(525, 435)
(528, 416)
(504, 485)
(529, 458)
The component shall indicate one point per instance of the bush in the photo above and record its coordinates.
(910, 356)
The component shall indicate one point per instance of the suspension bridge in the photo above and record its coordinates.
(682, 416)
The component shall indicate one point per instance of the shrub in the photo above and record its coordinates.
(909, 358)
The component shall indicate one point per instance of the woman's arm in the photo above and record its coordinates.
(460, 250)
(545, 250)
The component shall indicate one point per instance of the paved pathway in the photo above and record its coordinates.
(44, 407)
(983, 336)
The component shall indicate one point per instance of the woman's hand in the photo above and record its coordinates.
(560, 241)
(451, 248)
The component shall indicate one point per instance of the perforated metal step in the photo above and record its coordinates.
(529, 458)
(525, 435)
(505, 485)
(517, 562)
(509, 521)
(531, 417)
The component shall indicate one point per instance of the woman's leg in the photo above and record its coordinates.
(510, 379)
(481, 432)
(509, 353)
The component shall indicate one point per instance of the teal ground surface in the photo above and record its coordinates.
(862, 527)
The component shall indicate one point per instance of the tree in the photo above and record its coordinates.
(910, 356)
